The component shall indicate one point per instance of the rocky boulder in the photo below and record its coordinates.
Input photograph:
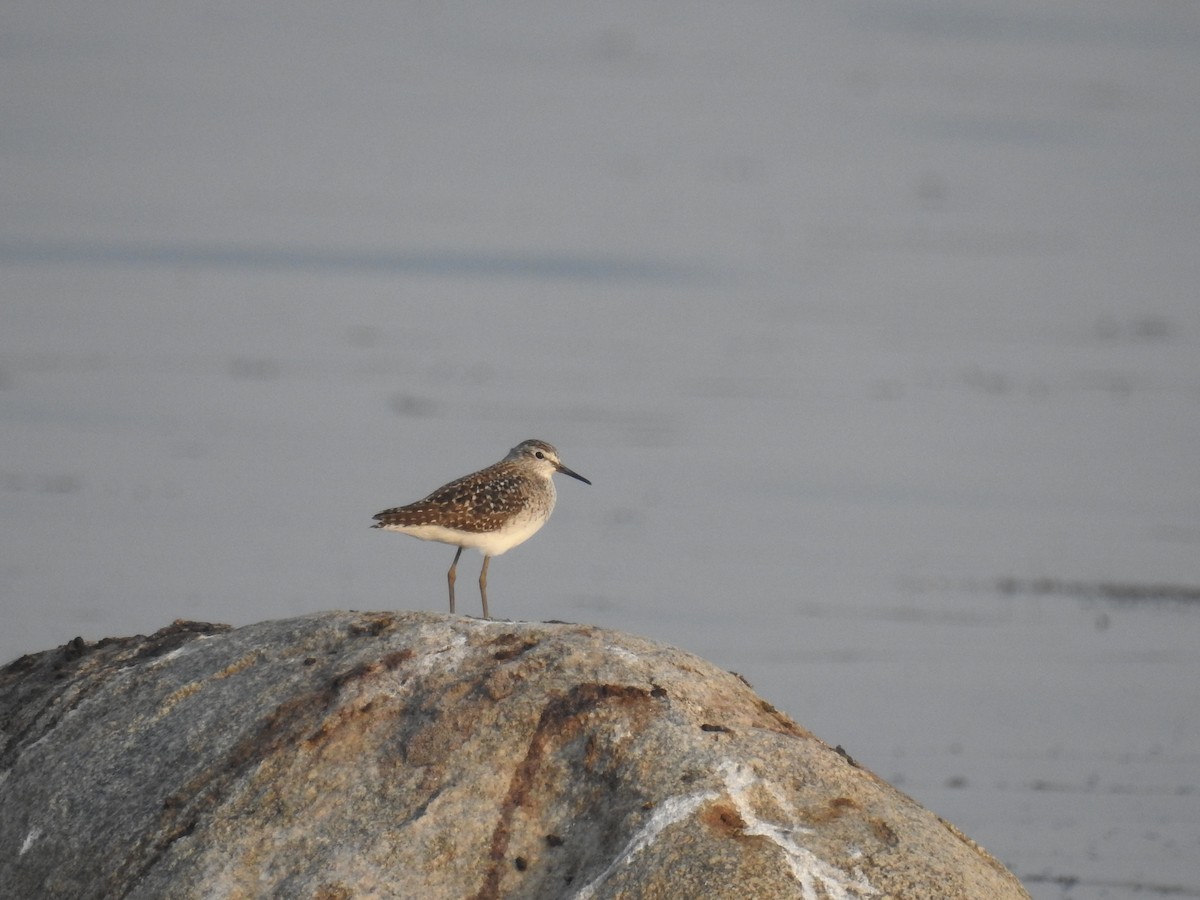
(414, 755)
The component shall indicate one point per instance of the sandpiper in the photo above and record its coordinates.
(491, 510)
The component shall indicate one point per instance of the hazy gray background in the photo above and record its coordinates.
(851, 311)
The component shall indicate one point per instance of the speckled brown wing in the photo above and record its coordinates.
(474, 504)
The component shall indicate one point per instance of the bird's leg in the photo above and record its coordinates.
(450, 578)
(483, 585)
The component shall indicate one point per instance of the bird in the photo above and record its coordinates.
(492, 510)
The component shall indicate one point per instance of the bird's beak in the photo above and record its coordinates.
(567, 471)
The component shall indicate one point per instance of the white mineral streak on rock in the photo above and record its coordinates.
(34, 834)
(667, 813)
(807, 868)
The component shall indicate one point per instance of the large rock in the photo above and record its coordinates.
(417, 755)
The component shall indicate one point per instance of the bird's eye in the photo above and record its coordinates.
(540, 455)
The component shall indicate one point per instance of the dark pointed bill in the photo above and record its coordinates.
(560, 467)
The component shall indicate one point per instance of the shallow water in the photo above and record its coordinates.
(875, 330)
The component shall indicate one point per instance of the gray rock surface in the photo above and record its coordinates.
(417, 755)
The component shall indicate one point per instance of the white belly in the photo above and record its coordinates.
(491, 543)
